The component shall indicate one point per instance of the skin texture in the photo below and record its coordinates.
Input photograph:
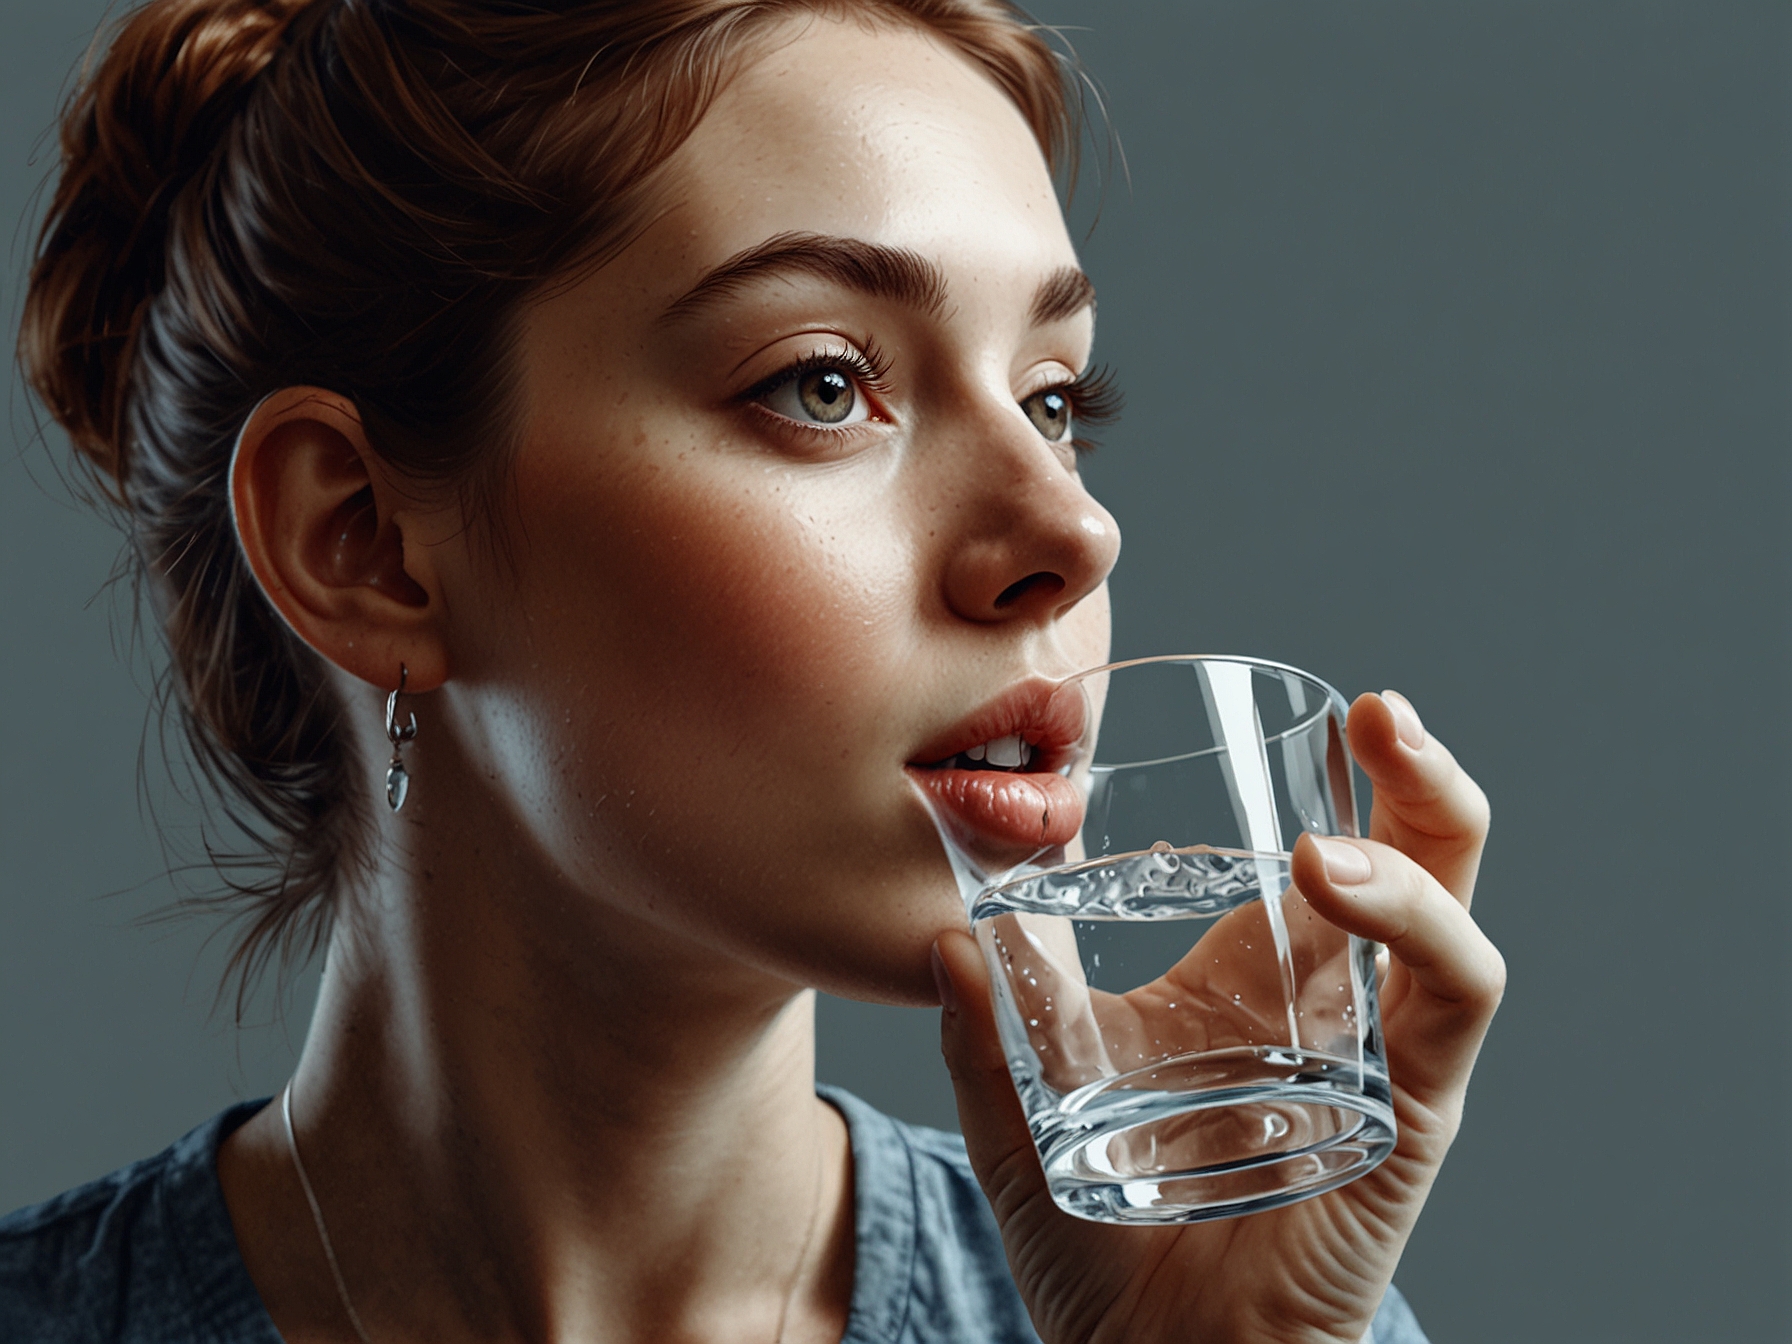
(559, 1083)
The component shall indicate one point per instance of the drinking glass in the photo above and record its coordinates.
(1188, 1038)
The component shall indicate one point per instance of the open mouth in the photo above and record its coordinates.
(999, 779)
(1012, 752)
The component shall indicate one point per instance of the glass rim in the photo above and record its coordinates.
(1267, 664)
(1332, 699)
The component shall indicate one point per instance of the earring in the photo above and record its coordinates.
(398, 783)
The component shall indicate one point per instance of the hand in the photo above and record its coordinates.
(1314, 1271)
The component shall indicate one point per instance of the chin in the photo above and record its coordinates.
(885, 955)
(903, 981)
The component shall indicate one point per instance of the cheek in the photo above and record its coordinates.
(755, 584)
(699, 643)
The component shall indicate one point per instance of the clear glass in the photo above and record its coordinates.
(1189, 1040)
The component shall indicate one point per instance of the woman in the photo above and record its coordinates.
(675, 404)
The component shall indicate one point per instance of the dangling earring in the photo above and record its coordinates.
(398, 783)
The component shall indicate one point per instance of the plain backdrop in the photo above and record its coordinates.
(1455, 339)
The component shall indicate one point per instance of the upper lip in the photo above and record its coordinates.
(1032, 710)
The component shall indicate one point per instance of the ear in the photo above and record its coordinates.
(335, 542)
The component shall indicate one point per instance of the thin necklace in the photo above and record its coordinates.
(354, 1319)
(802, 1255)
(317, 1216)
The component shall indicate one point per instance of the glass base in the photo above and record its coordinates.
(1215, 1135)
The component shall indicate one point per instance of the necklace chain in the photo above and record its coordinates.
(354, 1319)
(317, 1216)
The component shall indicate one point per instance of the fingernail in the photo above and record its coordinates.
(943, 982)
(1345, 865)
(1406, 719)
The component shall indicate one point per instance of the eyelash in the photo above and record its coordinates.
(1095, 399)
(1095, 396)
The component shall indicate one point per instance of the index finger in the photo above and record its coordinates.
(1426, 806)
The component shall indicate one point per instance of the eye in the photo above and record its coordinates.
(1064, 414)
(1050, 413)
(824, 395)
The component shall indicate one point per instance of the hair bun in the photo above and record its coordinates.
(142, 122)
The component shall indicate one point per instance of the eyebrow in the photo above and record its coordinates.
(871, 268)
(1064, 293)
(874, 269)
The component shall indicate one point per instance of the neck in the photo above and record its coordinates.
(534, 1128)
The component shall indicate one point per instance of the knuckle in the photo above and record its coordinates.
(1486, 978)
(969, 1066)
(1411, 884)
(1477, 811)
(1421, 886)
(1496, 972)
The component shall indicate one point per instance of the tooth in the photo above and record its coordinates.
(976, 752)
(1026, 752)
(1005, 751)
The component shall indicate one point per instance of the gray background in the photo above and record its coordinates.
(1455, 339)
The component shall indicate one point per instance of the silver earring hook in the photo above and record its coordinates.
(398, 779)
(394, 734)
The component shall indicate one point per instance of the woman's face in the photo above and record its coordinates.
(797, 505)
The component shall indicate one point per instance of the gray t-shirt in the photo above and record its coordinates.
(147, 1255)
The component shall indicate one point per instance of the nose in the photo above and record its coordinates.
(1032, 541)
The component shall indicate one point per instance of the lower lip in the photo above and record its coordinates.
(1023, 810)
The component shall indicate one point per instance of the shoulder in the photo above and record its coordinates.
(138, 1255)
(63, 1262)
(930, 1265)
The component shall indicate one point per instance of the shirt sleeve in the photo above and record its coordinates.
(1394, 1323)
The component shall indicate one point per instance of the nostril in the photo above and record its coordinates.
(1049, 584)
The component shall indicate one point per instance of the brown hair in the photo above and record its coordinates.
(356, 194)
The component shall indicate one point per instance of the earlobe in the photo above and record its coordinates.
(322, 522)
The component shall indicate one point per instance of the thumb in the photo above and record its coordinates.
(995, 1128)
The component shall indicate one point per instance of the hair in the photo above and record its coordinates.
(358, 195)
